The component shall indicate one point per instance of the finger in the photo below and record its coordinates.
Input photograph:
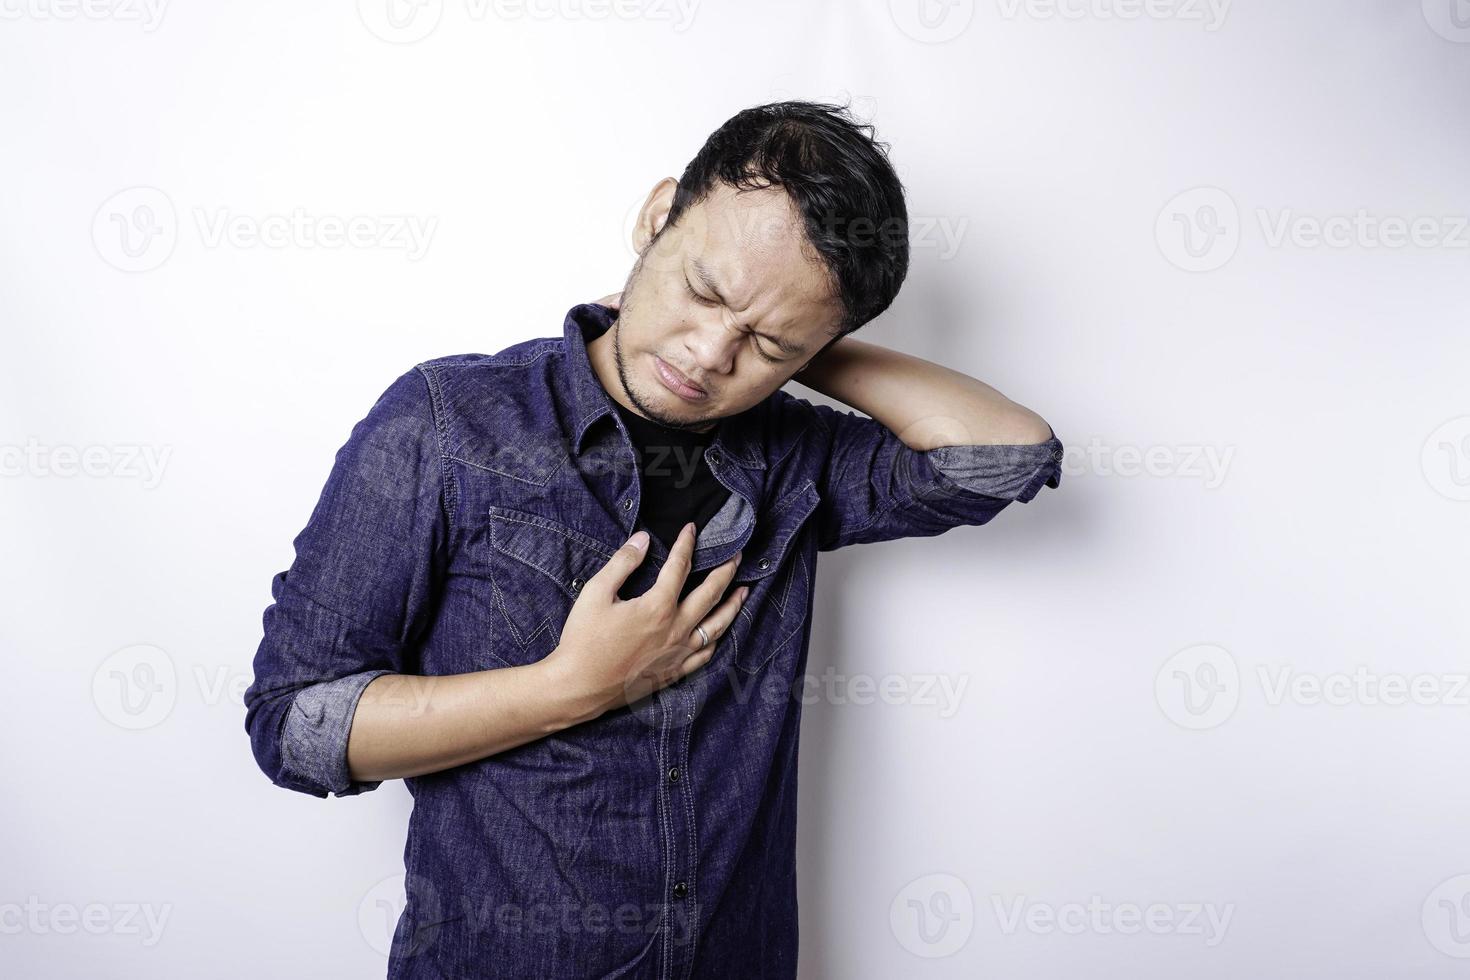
(718, 622)
(670, 581)
(697, 660)
(698, 603)
(610, 577)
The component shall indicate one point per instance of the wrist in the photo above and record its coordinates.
(570, 704)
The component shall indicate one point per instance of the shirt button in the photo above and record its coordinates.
(576, 585)
(713, 456)
(674, 775)
(763, 564)
(628, 504)
(680, 889)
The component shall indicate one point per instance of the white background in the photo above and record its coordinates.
(1119, 735)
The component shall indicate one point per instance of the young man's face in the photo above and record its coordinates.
(716, 298)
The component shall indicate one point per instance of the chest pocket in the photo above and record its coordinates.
(779, 573)
(536, 568)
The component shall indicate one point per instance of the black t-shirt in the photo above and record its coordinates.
(677, 485)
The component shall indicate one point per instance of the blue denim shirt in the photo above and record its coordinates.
(457, 525)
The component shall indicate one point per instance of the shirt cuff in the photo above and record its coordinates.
(1009, 472)
(314, 743)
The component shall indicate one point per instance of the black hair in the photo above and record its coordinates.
(850, 199)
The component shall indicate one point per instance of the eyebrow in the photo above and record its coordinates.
(703, 275)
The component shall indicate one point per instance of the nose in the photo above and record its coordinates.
(712, 343)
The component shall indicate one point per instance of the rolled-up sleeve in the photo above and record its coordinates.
(875, 488)
(357, 597)
(1007, 472)
(314, 740)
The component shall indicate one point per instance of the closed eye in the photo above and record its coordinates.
(690, 289)
(709, 302)
(763, 354)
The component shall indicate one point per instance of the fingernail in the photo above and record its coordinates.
(639, 540)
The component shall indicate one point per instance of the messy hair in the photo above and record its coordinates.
(839, 178)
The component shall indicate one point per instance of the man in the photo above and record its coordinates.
(598, 724)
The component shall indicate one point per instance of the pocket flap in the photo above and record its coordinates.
(564, 555)
(767, 546)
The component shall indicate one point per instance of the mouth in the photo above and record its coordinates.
(676, 382)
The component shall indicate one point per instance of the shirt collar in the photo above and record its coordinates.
(735, 435)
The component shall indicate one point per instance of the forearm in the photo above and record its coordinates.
(407, 725)
(925, 404)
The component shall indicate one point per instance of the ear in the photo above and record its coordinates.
(654, 213)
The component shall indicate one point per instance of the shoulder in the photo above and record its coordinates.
(461, 379)
(480, 399)
(790, 427)
(521, 354)
(795, 417)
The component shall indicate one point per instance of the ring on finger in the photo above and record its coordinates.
(704, 638)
